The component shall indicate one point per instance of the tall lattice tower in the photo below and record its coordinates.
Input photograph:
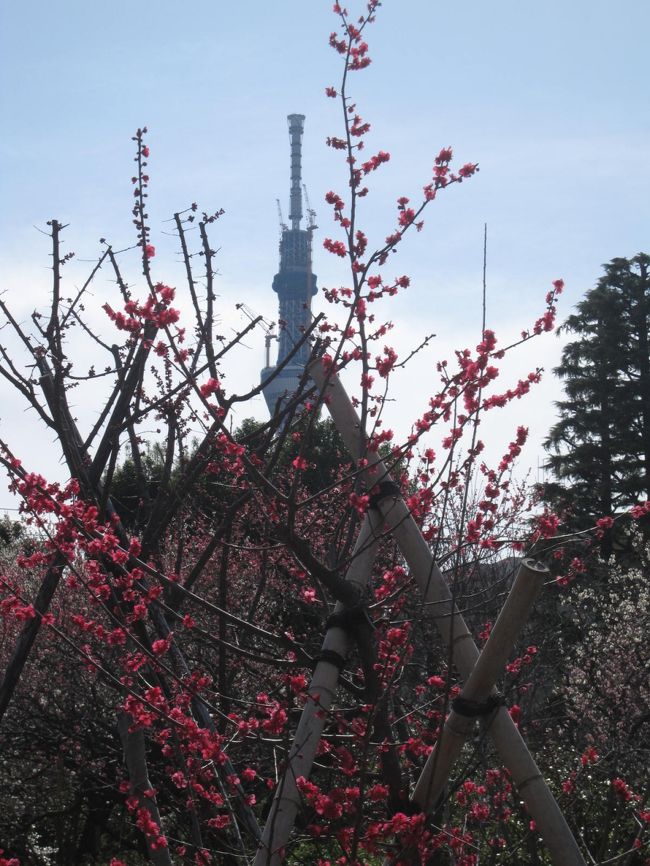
(294, 283)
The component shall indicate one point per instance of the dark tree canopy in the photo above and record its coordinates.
(599, 450)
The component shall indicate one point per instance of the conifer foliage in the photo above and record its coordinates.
(599, 450)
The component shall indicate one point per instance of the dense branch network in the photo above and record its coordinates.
(165, 604)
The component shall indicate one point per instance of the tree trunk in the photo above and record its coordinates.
(135, 759)
(642, 321)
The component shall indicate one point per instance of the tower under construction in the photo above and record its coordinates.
(294, 283)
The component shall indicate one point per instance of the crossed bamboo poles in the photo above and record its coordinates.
(479, 671)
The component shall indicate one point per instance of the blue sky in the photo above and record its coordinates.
(550, 98)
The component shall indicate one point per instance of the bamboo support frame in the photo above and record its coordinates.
(321, 694)
(480, 683)
(437, 598)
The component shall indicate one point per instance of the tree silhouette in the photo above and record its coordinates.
(599, 450)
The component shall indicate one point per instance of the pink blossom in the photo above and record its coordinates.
(209, 387)
(468, 169)
(589, 756)
(219, 822)
(335, 247)
(622, 789)
(159, 647)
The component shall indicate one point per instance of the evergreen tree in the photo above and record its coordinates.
(599, 450)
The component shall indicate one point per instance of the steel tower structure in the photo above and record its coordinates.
(294, 283)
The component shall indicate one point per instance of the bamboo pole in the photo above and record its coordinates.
(437, 598)
(480, 683)
(321, 694)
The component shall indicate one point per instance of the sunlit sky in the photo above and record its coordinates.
(551, 99)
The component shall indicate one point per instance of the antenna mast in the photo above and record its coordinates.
(296, 126)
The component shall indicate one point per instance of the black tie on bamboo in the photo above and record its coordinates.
(382, 491)
(332, 657)
(475, 709)
(349, 619)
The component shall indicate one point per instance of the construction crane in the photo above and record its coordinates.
(267, 326)
(311, 228)
(283, 226)
(311, 213)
